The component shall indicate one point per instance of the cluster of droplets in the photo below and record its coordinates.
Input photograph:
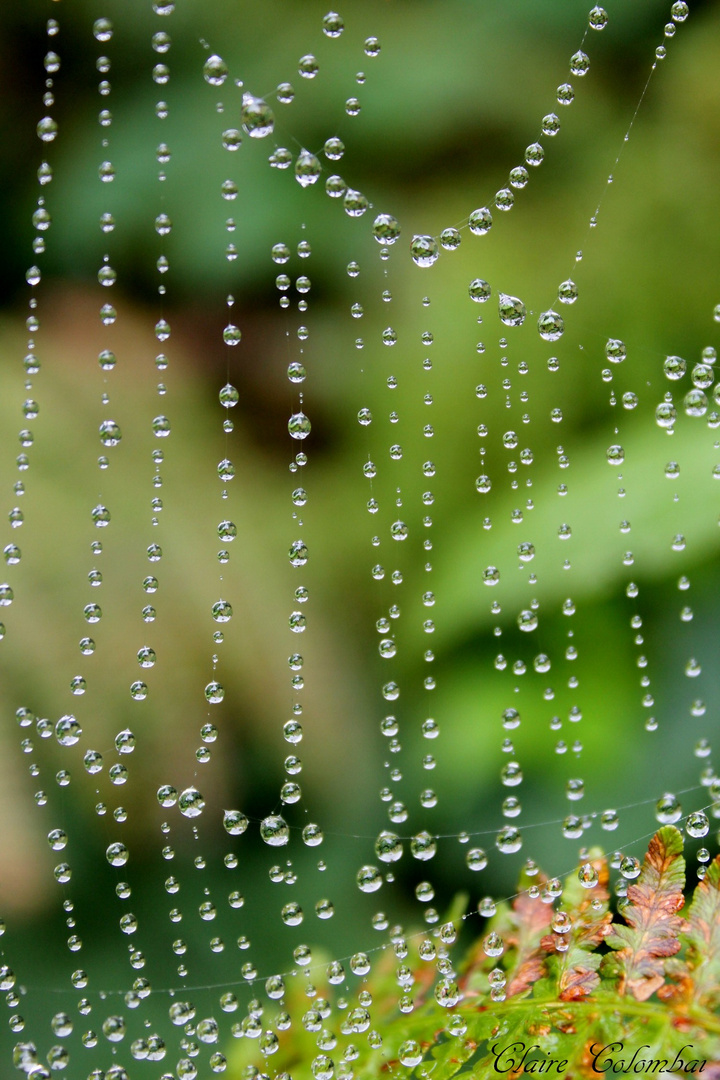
(425, 249)
(258, 122)
(47, 130)
(161, 427)
(697, 404)
(512, 313)
(41, 220)
(679, 12)
(423, 844)
(68, 730)
(615, 354)
(274, 829)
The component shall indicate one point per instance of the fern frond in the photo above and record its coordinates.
(703, 936)
(653, 929)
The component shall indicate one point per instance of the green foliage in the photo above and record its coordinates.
(575, 991)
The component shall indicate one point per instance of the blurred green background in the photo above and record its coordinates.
(456, 93)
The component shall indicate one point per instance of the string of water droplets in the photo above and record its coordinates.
(41, 219)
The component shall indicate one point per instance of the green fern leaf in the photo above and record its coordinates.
(703, 935)
(576, 961)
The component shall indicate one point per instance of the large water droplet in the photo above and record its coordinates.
(191, 803)
(234, 822)
(424, 250)
(307, 168)
(215, 70)
(386, 229)
(117, 854)
(615, 350)
(67, 730)
(388, 847)
(299, 426)
(480, 221)
(511, 309)
(275, 831)
(369, 879)
(668, 809)
(257, 117)
(479, 290)
(550, 326)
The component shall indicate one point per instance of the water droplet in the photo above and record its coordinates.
(493, 945)
(399, 530)
(695, 403)
(423, 846)
(299, 426)
(386, 229)
(447, 993)
(598, 18)
(511, 309)
(355, 203)
(231, 139)
(296, 372)
(167, 795)
(534, 154)
(110, 433)
(308, 66)
(117, 854)
(565, 94)
(231, 336)
(568, 292)
(68, 730)
(333, 149)
(480, 221)
(476, 859)
(450, 239)
(550, 326)
(275, 831)
(508, 840)
(665, 417)
(579, 64)
(215, 70)
(332, 25)
(234, 822)
(257, 117)
(615, 454)
(630, 867)
(550, 124)
(668, 809)
(307, 168)
(214, 692)
(47, 129)
(191, 803)
(424, 250)
(703, 375)
(615, 350)
(161, 427)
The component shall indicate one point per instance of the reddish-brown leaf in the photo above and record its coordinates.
(531, 918)
(653, 929)
(577, 982)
